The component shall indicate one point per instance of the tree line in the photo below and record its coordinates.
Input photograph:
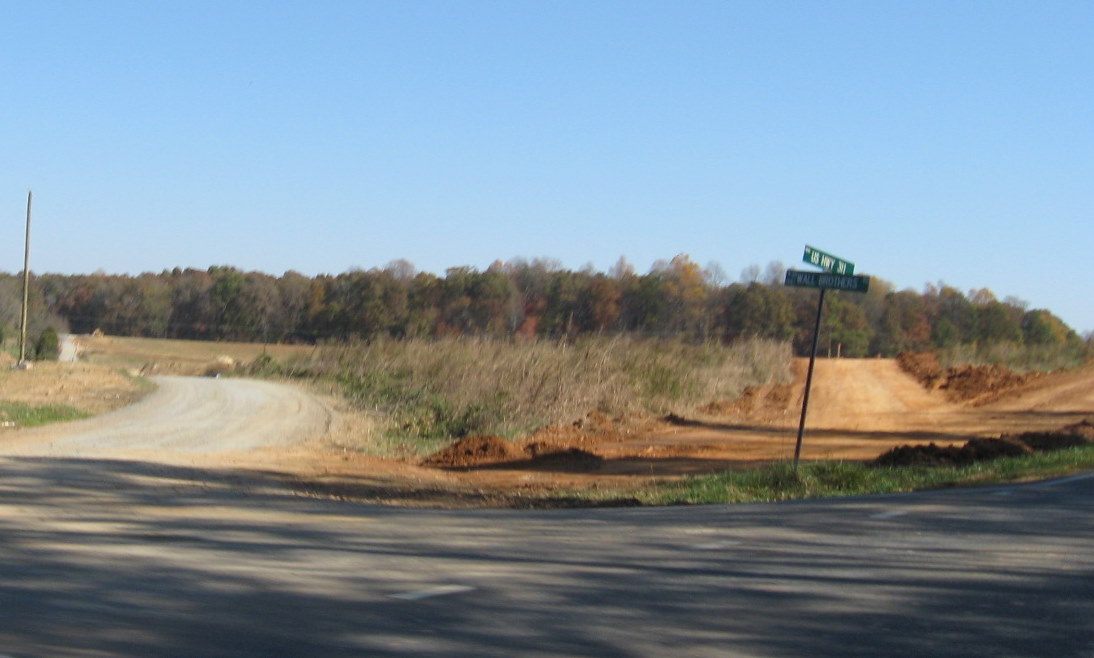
(523, 298)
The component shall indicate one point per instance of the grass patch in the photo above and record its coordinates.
(424, 392)
(18, 414)
(844, 478)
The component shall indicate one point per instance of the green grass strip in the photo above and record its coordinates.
(844, 478)
(17, 414)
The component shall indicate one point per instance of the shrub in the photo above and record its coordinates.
(48, 345)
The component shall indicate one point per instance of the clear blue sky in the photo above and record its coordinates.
(925, 140)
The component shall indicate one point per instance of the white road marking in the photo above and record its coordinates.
(888, 515)
(714, 546)
(440, 590)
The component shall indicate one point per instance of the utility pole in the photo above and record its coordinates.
(26, 289)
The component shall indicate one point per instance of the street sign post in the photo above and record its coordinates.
(827, 262)
(838, 274)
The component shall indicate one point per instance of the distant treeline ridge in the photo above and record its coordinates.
(523, 298)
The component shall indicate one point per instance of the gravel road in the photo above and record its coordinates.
(186, 415)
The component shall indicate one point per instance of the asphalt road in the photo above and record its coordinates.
(102, 557)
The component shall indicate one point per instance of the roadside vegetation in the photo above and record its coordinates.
(1017, 357)
(18, 414)
(426, 392)
(847, 478)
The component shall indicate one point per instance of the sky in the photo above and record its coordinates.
(926, 141)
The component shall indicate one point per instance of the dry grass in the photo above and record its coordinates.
(88, 388)
(459, 386)
(1015, 356)
(178, 357)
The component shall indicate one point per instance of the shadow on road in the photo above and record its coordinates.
(133, 558)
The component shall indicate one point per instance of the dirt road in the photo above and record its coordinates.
(195, 415)
(859, 409)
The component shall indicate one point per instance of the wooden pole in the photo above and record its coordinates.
(26, 287)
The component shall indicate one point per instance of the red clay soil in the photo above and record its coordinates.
(1008, 445)
(924, 366)
(475, 451)
(978, 384)
(860, 409)
(484, 451)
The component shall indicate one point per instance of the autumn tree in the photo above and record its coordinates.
(758, 310)
(845, 326)
(567, 308)
(425, 295)
(604, 298)
(1040, 327)
(994, 321)
(904, 324)
(192, 313)
(685, 293)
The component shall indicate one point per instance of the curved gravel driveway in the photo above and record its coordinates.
(188, 415)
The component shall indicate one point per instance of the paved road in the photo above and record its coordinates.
(131, 558)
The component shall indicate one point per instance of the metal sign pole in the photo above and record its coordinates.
(809, 379)
(838, 274)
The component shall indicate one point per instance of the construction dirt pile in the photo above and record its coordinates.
(754, 403)
(1007, 445)
(486, 451)
(475, 451)
(976, 384)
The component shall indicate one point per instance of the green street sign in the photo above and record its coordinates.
(827, 262)
(827, 280)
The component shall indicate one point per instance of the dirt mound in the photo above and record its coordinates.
(475, 451)
(1070, 436)
(1008, 445)
(486, 451)
(934, 455)
(924, 366)
(594, 429)
(594, 422)
(1083, 428)
(966, 383)
(961, 383)
(569, 460)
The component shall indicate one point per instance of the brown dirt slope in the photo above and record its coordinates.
(977, 384)
(858, 410)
